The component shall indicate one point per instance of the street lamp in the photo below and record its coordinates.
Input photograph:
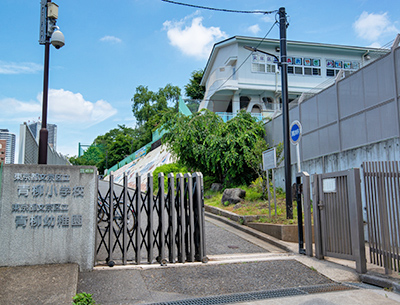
(285, 107)
(48, 34)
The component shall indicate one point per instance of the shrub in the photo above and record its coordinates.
(174, 168)
(83, 298)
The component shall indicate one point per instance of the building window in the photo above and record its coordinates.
(263, 64)
(258, 68)
(304, 66)
(298, 70)
(244, 102)
(333, 67)
(271, 68)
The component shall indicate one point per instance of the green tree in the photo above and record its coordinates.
(193, 89)
(205, 143)
(112, 147)
(92, 156)
(146, 104)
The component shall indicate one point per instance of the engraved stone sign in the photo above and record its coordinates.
(47, 215)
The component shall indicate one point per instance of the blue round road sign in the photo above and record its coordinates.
(295, 132)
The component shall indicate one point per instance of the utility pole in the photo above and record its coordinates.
(285, 113)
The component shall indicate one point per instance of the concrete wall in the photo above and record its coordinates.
(48, 215)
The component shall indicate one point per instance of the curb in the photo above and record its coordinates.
(272, 240)
(380, 282)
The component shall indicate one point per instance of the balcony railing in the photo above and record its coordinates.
(226, 116)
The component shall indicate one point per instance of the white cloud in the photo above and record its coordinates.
(268, 18)
(111, 39)
(373, 26)
(71, 108)
(19, 68)
(375, 45)
(254, 29)
(13, 106)
(195, 39)
(65, 107)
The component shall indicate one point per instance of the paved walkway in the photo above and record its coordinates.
(243, 269)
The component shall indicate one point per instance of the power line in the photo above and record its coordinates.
(220, 9)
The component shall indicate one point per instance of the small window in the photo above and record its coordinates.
(271, 68)
(330, 72)
(290, 70)
(307, 71)
(298, 70)
(316, 71)
(258, 68)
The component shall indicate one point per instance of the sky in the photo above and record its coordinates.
(112, 47)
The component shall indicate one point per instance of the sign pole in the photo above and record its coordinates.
(298, 157)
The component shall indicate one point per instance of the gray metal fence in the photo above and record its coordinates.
(357, 111)
(148, 227)
(382, 195)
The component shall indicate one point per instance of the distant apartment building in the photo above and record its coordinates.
(52, 136)
(9, 138)
(3, 144)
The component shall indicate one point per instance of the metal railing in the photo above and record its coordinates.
(382, 195)
(140, 227)
(226, 116)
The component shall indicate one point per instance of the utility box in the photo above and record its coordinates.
(52, 10)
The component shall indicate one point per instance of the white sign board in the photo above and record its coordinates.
(329, 185)
(269, 159)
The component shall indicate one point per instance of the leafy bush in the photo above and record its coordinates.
(174, 168)
(208, 180)
(83, 298)
(229, 151)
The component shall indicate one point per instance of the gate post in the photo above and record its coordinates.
(161, 218)
(172, 218)
(355, 211)
(150, 218)
(110, 262)
(304, 177)
(317, 218)
(125, 220)
(199, 207)
(138, 217)
(189, 205)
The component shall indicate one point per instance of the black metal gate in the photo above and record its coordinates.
(147, 227)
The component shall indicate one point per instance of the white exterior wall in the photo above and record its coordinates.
(221, 86)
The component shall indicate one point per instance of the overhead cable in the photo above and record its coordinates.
(220, 9)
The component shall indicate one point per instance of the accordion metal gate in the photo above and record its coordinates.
(166, 226)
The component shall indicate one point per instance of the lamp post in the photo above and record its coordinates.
(48, 19)
(282, 63)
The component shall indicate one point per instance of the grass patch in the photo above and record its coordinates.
(253, 204)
